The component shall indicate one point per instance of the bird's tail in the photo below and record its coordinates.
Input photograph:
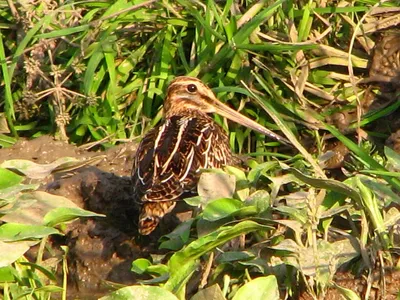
(152, 213)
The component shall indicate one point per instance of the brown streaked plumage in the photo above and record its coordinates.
(170, 156)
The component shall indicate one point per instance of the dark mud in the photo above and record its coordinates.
(100, 249)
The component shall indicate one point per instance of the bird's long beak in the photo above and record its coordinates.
(233, 115)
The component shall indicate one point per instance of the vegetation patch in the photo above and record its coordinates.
(293, 222)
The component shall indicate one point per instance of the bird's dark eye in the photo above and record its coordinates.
(191, 88)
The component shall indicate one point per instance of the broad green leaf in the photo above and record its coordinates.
(11, 232)
(393, 159)
(346, 293)
(328, 184)
(10, 252)
(374, 211)
(381, 189)
(8, 178)
(140, 293)
(296, 226)
(213, 185)
(299, 215)
(156, 270)
(210, 293)
(205, 227)
(259, 264)
(278, 181)
(287, 245)
(177, 238)
(260, 199)
(184, 262)
(40, 171)
(323, 261)
(233, 256)
(194, 201)
(64, 214)
(30, 208)
(242, 184)
(239, 174)
(11, 192)
(260, 169)
(7, 274)
(140, 265)
(259, 289)
(221, 208)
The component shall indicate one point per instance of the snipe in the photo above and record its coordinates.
(170, 156)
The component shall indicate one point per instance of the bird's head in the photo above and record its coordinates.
(189, 93)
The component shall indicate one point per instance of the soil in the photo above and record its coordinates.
(100, 249)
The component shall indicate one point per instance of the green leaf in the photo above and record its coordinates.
(65, 214)
(260, 199)
(30, 208)
(233, 256)
(393, 158)
(177, 238)
(11, 192)
(140, 293)
(50, 275)
(11, 232)
(91, 78)
(214, 185)
(259, 289)
(49, 289)
(283, 125)
(221, 208)
(323, 261)
(193, 201)
(238, 173)
(7, 274)
(381, 190)
(140, 265)
(328, 184)
(63, 32)
(10, 252)
(40, 171)
(210, 293)
(9, 178)
(371, 206)
(346, 293)
(367, 160)
(299, 215)
(184, 262)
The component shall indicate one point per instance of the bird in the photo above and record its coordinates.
(170, 156)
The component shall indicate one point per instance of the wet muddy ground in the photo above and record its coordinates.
(101, 250)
